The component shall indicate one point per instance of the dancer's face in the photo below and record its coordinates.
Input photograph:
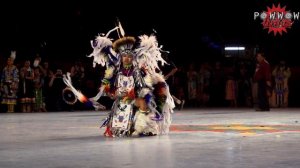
(127, 59)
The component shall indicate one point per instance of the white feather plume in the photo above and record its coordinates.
(121, 29)
(101, 42)
(13, 55)
(149, 53)
(99, 56)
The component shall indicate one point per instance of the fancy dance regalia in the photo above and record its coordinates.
(142, 101)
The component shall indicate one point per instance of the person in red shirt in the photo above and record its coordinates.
(263, 78)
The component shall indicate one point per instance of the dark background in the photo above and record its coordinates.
(193, 32)
(190, 30)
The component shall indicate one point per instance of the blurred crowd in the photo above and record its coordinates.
(35, 86)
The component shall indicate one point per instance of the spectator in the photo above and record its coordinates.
(26, 87)
(56, 86)
(262, 76)
(281, 74)
(9, 85)
(38, 92)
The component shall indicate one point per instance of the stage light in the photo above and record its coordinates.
(234, 48)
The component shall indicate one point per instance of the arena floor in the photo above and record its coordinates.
(200, 138)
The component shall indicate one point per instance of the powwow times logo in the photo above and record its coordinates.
(277, 19)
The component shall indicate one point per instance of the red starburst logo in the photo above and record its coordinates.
(277, 19)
